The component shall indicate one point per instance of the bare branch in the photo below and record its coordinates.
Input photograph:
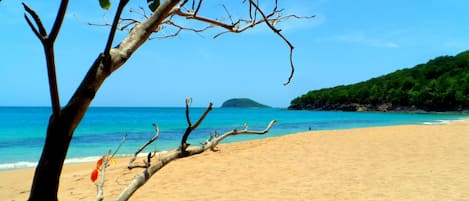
(198, 7)
(129, 22)
(203, 19)
(48, 45)
(184, 3)
(58, 20)
(209, 108)
(188, 119)
(120, 145)
(102, 172)
(235, 27)
(270, 19)
(228, 13)
(191, 127)
(106, 24)
(143, 177)
(277, 31)
(215, 141)
(157, 134)
(42, 30)
(112, 33)
(124, 23)
(35, 31)
(143, 13)
(181, 28)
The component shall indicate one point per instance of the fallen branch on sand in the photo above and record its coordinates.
(181, 152)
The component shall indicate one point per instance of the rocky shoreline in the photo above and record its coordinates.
(386, 107)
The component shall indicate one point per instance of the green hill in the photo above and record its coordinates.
(442, 84)
(243, 103)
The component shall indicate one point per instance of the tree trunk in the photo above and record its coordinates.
(60, 132)
(46, 178)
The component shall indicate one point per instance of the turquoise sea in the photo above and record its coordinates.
(22, 129)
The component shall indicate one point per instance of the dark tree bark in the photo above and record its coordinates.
(61, 126)
(59, 135)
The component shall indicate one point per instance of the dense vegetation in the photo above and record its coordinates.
(243, 102)
(442, 84)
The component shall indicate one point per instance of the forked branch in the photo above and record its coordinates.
(112, 34)
(241, 25)
(147, 163)
(277, 31)
(211, 143)
(48, 41)
(255, 16)
(191, 127)
(101, 166)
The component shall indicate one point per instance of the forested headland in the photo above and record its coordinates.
(440, 85)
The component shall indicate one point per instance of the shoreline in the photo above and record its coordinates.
(408, 111)
(19, 165)
(407, 162)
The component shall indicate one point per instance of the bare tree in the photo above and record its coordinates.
(64, 120)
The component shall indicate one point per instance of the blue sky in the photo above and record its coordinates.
(347, 42)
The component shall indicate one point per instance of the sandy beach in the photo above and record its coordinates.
(411, 162)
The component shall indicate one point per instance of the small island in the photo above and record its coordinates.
(242, 103)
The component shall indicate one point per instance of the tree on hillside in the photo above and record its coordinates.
(64, 120)
(441, 84)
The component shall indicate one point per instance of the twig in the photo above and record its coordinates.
(277, 31)
(42, 30)
(181, 28)
(191, 127)
(105, 163)
(228, 13)
(120, 145)
(102, 172)
(157, 134)
(217, 139)
(271, 19)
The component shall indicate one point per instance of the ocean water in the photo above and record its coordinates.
(22, 129)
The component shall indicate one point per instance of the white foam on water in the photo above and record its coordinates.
(17, 165)
(444, 121)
